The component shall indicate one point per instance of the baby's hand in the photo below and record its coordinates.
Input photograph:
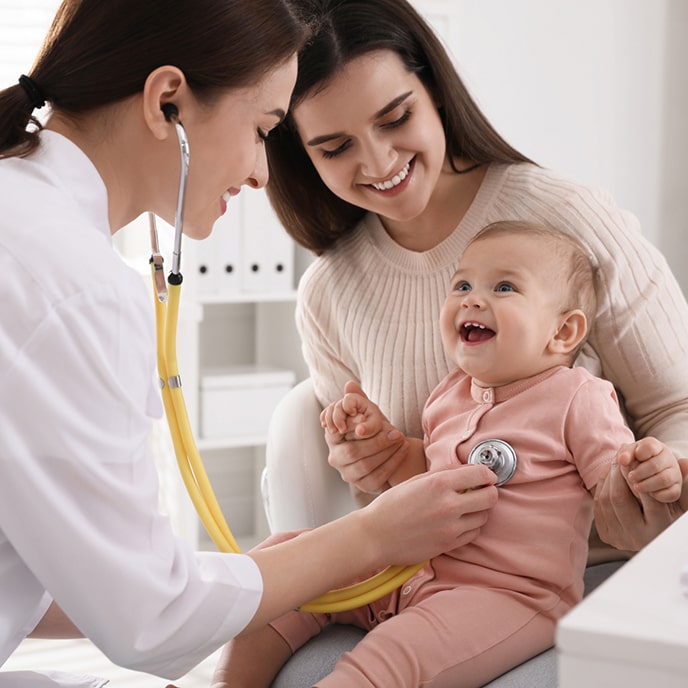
(354, 416)
(651, 468)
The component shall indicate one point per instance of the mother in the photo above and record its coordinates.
(397, 170)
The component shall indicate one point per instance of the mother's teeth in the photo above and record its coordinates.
(394, 181)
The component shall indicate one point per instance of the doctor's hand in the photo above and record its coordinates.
(432, 513)
(367, 463)
(627, 522)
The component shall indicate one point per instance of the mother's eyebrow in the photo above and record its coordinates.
(392, 104)
(396, 102)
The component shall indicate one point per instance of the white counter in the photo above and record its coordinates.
(632, 631)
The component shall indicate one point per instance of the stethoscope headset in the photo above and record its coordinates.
(167, 299)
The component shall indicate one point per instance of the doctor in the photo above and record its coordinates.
(83, 548)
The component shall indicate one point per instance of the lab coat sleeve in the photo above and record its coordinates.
(79, 493)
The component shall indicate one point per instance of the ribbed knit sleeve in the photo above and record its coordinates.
(369, 309)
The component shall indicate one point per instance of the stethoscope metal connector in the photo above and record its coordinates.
(499, 456)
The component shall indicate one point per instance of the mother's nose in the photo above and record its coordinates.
(378, 159)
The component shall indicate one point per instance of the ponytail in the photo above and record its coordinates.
(18, 126)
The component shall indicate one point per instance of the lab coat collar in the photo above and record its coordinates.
(77, 177)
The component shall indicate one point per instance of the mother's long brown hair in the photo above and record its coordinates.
(342, 30)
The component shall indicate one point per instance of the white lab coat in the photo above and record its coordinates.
(79, 521)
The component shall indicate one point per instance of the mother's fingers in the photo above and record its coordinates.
(614, 506)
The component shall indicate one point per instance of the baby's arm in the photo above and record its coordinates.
(651, 468)
(356, 417)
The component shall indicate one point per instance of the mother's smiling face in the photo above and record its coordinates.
(375, 137)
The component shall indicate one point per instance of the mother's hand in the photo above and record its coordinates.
(627, 522)
(367, 464)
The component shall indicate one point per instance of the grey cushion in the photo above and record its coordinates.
(317, 658)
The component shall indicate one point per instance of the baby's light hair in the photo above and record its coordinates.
(582, 279)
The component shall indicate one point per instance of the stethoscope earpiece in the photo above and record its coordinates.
(170, 110)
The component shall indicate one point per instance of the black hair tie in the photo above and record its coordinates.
(34, 93)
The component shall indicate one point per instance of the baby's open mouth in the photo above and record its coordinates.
(475, 332)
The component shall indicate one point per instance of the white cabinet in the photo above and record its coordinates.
(239, 353)
(237, 356)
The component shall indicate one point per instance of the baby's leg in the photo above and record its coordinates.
(459, 638)
(253, 660)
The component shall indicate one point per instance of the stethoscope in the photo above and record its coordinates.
(167, 299)
(499, 456)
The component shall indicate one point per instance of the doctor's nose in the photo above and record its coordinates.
(259, 177)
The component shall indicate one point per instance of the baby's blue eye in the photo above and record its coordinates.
(462, 286)
(504, 286)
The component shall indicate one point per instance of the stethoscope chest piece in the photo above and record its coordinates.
(499, 456)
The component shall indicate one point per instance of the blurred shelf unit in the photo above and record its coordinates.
(239, 353)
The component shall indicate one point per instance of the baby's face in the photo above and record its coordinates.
(503, 308)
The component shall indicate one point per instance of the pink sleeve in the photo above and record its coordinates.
(595, 429)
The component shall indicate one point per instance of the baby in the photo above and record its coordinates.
(517, 313)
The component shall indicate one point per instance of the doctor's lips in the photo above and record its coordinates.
(475, 333)
(224, 200)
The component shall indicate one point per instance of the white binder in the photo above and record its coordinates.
(268, 251)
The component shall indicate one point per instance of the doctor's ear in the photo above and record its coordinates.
(164, 95)
(570, 334)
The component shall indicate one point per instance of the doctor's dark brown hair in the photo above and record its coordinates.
(342, 30)
(99, 52)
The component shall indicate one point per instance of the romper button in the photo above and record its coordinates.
(407, 590)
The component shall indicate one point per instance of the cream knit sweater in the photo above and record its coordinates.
(368, 309)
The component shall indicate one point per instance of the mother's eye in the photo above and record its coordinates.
(399, 121)
(337, 151)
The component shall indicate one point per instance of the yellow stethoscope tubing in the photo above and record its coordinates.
(188, 457)
(194, 476)
(200, 489)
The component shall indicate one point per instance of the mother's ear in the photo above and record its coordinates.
(165, 87)
(570, 333)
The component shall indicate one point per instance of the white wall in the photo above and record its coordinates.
(596, 89)
(673, 234)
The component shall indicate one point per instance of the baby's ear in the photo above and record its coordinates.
(570, 334)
